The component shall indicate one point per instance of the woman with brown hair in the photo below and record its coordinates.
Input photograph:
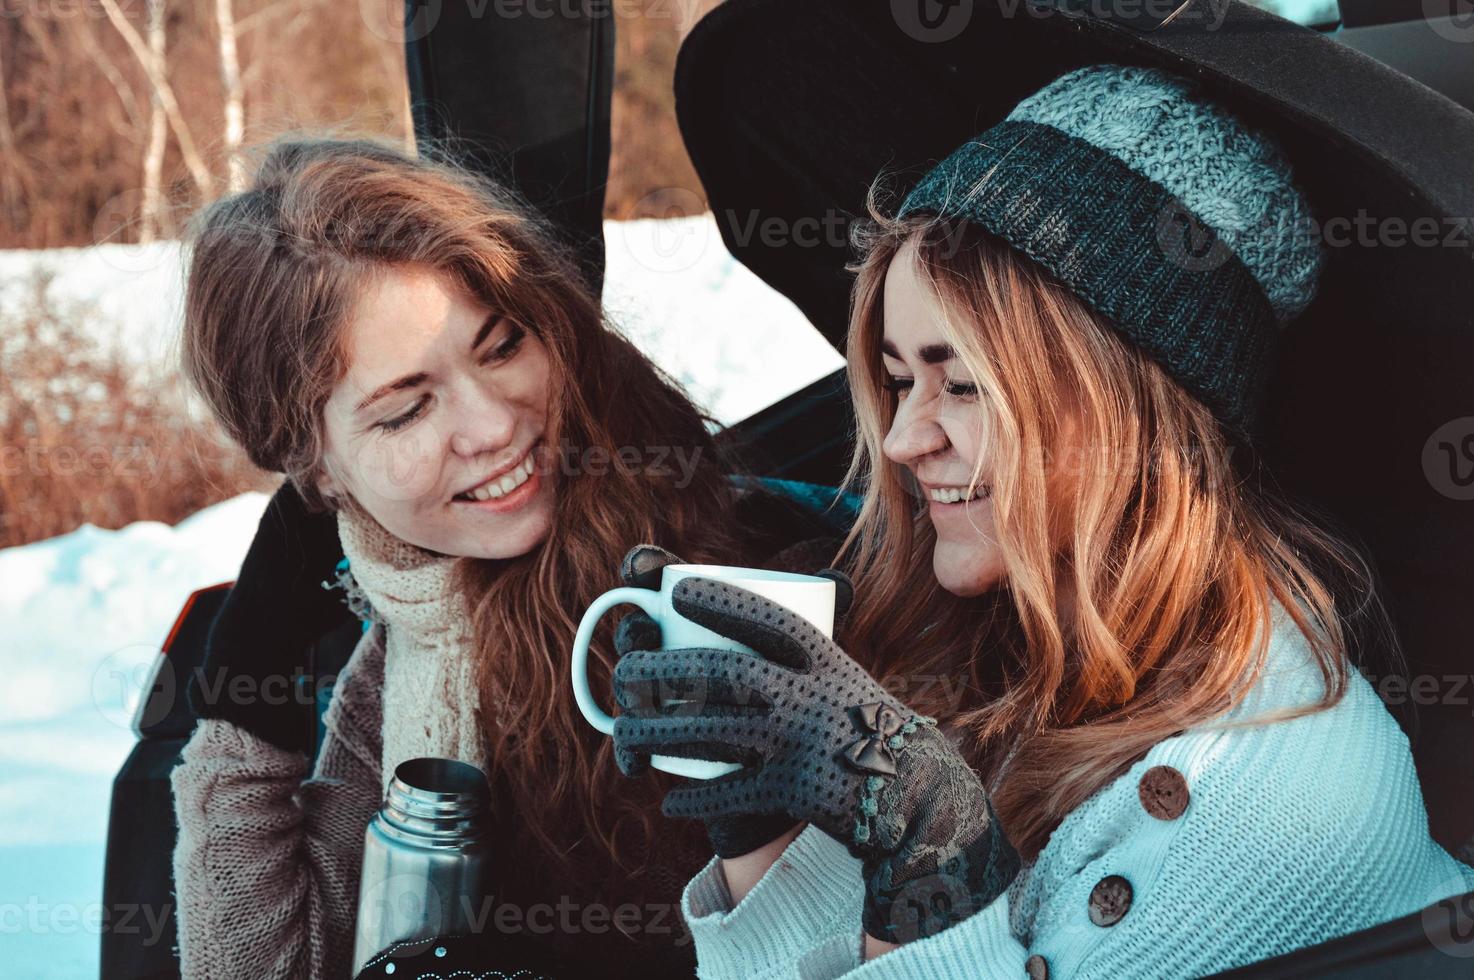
(1151, 753)
(403, 341)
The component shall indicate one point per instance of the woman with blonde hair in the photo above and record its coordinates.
(405, 342)
(1151, 753)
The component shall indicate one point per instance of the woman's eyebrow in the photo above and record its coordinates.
(408, 381)
(936, 353)
(928, 353)
(411, 380)
(486, 328)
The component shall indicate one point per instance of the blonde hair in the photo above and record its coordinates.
(1133, 607)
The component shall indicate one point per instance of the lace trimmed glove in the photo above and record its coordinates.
(822, 741)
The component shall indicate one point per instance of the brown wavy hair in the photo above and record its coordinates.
(1131, 608)
(273, 275)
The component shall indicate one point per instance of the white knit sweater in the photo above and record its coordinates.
(1281, 835)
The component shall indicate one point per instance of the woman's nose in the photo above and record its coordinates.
(482, 421)
(913, 436)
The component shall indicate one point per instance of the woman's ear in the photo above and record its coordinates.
(328, 487)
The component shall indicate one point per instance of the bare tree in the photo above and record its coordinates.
(153, 156)
(104, 63)
(235, 104)
(165, 94)
(15, 179)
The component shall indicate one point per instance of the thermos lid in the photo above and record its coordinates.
(437, 799)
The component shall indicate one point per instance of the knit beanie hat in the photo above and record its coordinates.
(1159, 209)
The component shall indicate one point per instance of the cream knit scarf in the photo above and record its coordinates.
(430, 703)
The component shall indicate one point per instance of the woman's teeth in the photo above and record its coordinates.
(953, 495)
(493, 489)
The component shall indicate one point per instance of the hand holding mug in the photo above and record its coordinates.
(649, 573)
(730, 836)
(823, 741)
(811, 597)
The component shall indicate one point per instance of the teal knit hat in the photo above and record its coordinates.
(1156, 207)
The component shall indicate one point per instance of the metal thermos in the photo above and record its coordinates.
(424, 854)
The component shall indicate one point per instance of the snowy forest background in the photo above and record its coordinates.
(117, 495)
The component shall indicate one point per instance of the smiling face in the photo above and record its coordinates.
(938, 432)
(434, 426)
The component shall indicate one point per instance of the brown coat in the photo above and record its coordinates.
(267, 863)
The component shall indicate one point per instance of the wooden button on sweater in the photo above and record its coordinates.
(1109, 900)
(1036, 967)
(1163, 792)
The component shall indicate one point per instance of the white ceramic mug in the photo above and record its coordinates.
(810, 596)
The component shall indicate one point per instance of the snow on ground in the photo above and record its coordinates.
(82, 615)
(137, 290)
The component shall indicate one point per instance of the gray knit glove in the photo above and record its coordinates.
(730, 836)
(821, 740)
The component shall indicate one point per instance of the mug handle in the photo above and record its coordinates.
(650, 602)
